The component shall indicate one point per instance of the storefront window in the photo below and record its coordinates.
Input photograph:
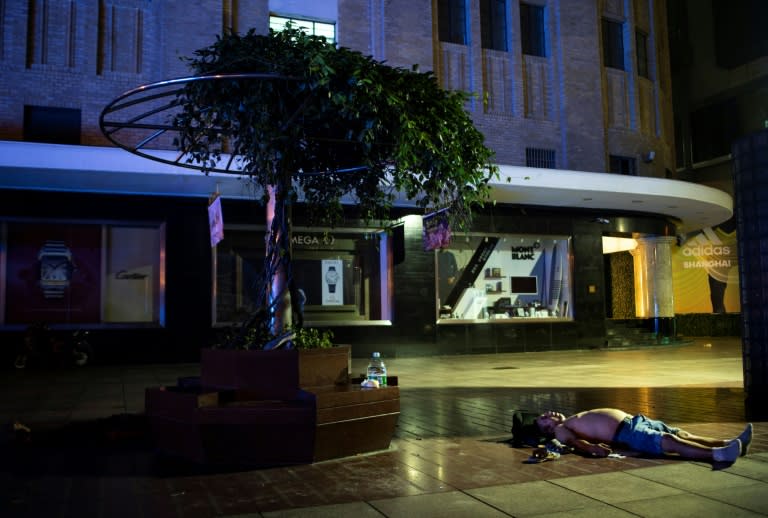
(503, 277)
(133, 274)
(83, 273)
(345, 275)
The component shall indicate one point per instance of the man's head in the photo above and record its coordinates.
(548, 421)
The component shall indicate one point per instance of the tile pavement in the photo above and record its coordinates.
(449, 457)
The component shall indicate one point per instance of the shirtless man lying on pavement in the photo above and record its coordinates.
(595, 431)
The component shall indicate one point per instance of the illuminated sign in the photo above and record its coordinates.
(312, 240)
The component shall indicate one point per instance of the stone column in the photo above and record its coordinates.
(750, 169)
(654, 299)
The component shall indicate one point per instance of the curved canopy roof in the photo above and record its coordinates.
(108, 170)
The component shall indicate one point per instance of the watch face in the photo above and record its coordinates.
(54, 268)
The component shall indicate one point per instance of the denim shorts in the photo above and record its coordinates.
(642, 434)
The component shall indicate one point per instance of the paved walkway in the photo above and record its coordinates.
(90, 457)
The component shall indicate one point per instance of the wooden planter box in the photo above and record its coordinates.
(264, 408)
(352, 420)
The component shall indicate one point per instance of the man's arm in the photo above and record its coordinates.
(567, 437)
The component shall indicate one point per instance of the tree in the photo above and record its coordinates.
(312, 122)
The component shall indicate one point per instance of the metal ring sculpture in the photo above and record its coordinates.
(139, 112)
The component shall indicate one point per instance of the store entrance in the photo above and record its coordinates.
(619, 278)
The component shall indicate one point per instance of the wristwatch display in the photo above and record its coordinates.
(55, 269)
(331, 277)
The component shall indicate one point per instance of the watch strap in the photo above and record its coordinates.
(52, 247)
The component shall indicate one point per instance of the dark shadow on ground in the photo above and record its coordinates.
(117, 446)
(121, 445)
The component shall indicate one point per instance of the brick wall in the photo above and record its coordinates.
(83, 54)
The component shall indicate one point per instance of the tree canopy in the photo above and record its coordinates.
(326, 122)
(307, 120)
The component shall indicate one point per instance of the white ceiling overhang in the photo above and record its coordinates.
(110, 170)
(692, 206)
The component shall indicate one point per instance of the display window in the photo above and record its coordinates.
(82, 273)
(504, 277)
(134, 274)
(344, 274)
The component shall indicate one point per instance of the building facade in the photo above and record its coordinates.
(720, 73)
(574, 96)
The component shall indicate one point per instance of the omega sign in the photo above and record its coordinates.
(312, 240)
(525, 253)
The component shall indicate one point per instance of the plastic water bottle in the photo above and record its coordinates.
(377, 370)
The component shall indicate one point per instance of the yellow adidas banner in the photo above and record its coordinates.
(705, 272)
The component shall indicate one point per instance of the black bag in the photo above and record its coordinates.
(524, 430)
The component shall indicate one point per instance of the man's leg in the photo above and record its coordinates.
(745, 437)
(693, 450)
(702, 440)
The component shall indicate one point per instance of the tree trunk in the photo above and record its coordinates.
(276, 267)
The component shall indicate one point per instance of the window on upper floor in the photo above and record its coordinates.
(452, 21)
(613, 44)
(739, 30)
(51, 124)
(714, 128)
(538, 157)
(532, 30)
(623, 165)
(493, 24)
(641, 47)
(312, 27)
